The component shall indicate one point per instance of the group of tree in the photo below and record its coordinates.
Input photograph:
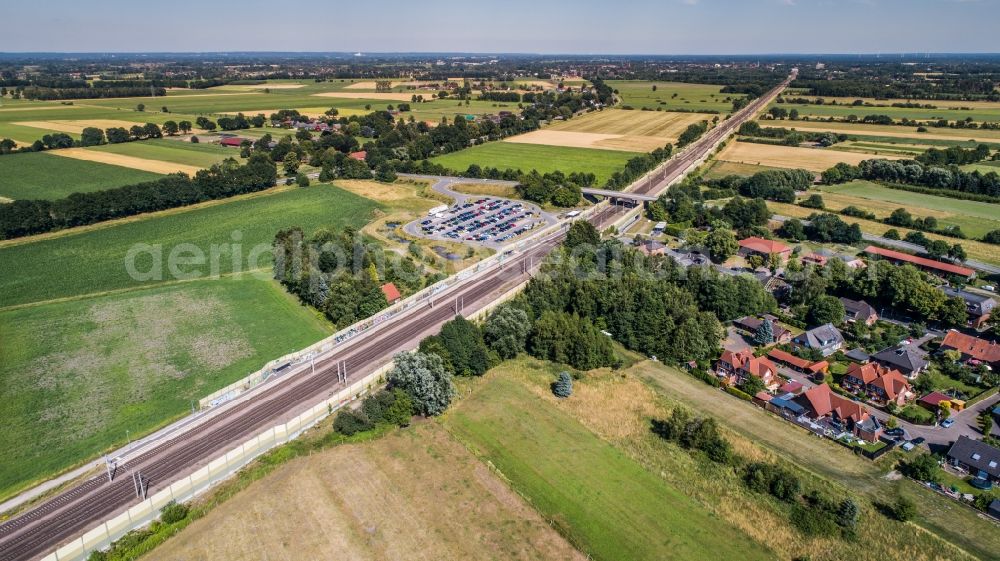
(822, 227)
(636, 167)
(93, 136)
(694, 433)
(954, 155)
(393, 407)
(340, 273)
(788, 137)
(556, 187)
(226, 179)
(940, 179)
(692, 133)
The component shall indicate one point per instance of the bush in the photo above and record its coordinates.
(904, 510)
(302, 180)
(774, 480)
(738, 393)
(563, 387)
(173, 512)
(350, 422)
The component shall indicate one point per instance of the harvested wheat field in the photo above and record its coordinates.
(249, 87)
(307, 111)
(381, 192)
(367, 95)
(813, 159)
(370, 85)
(412, 495)
(611, 129)
(76, 127)
(155, 166)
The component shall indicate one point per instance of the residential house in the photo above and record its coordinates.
(930, 265)
(359, 155)
(910, 360)
(750, 324)
(736, 366)
(763, 247)
(826, 339)
(994, 509)
(823, 256)
(785, 406)
(857, 355)
(973, 349)
(776, 286)
(975, 456)
(859, 311)
(838, 412)
(934, 400)
(231, 141)
(878, 383)
(652, 247)
(979, 306)
(391, 293)
(792, 387)
(788, 359)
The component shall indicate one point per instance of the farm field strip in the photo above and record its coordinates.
(43, 175)
(385, 96)
(892, 131)
(526, 157)
(131, 162)
(76, 126)
(77, 374)
(689, 97)
(415, 490)
(171, 151)
(607, 503)
(991, 114)
(97, 256)
(813, 159)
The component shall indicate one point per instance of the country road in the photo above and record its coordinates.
(71, 512)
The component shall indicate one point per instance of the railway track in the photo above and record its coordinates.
(73, 511)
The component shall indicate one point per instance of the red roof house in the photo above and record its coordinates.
(799, 364)
(971, 347)
(878, 383)
(821, 402)
(359, 155)
(232, 141)
(736, 366)
(392, 294)
(761, 246)
(933, 400)
(937, 267)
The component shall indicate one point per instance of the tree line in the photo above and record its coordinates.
(229, 178)
(909, 172)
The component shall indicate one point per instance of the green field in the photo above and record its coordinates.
(75, 375)
(975, 218)
(93, 260)
(167, 150)
(79, 111)
(545, 159)
(978, 114)
(607, 504)
(38, 175)
(690, 97)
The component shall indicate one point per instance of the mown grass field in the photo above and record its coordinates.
(975, 218)
(75, 375)
(607, 504)
(38, 175)
(527, 157)
(979, 113)
(828, 462)
(168, 150)
(975, 249)
(89, 260)
(412, 494)
(793, 157)
(885, 133)
(689, 97)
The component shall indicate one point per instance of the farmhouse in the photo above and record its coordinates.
(978, 306)
(232, 141)
(929, 265)
(972, 348)
(826, 339)
(760, 246)
(976, 457)
(823, 256)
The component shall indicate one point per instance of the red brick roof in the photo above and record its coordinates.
(761, 245)
(360, 155)
(822, 401)
(934, 398)
(892, 383)
(788, 358)
(920, 261)
(867, 373)
(391, 292)
(231, 141)
(974, 347)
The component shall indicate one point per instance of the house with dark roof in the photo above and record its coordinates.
(822, 404)
(652, 247)
(910, 360)
(859, 311)
(736, 366)
(994, 509)
(976, 457)
(750, 325)
(972, 348)
(857, 355)
(978, 306)
(826, 339)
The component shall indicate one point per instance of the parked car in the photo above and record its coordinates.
(947, 423)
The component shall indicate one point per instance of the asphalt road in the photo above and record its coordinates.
(77, 509)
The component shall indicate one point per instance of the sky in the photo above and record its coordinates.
(510, 26)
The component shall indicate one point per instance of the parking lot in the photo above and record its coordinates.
(490, 221)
